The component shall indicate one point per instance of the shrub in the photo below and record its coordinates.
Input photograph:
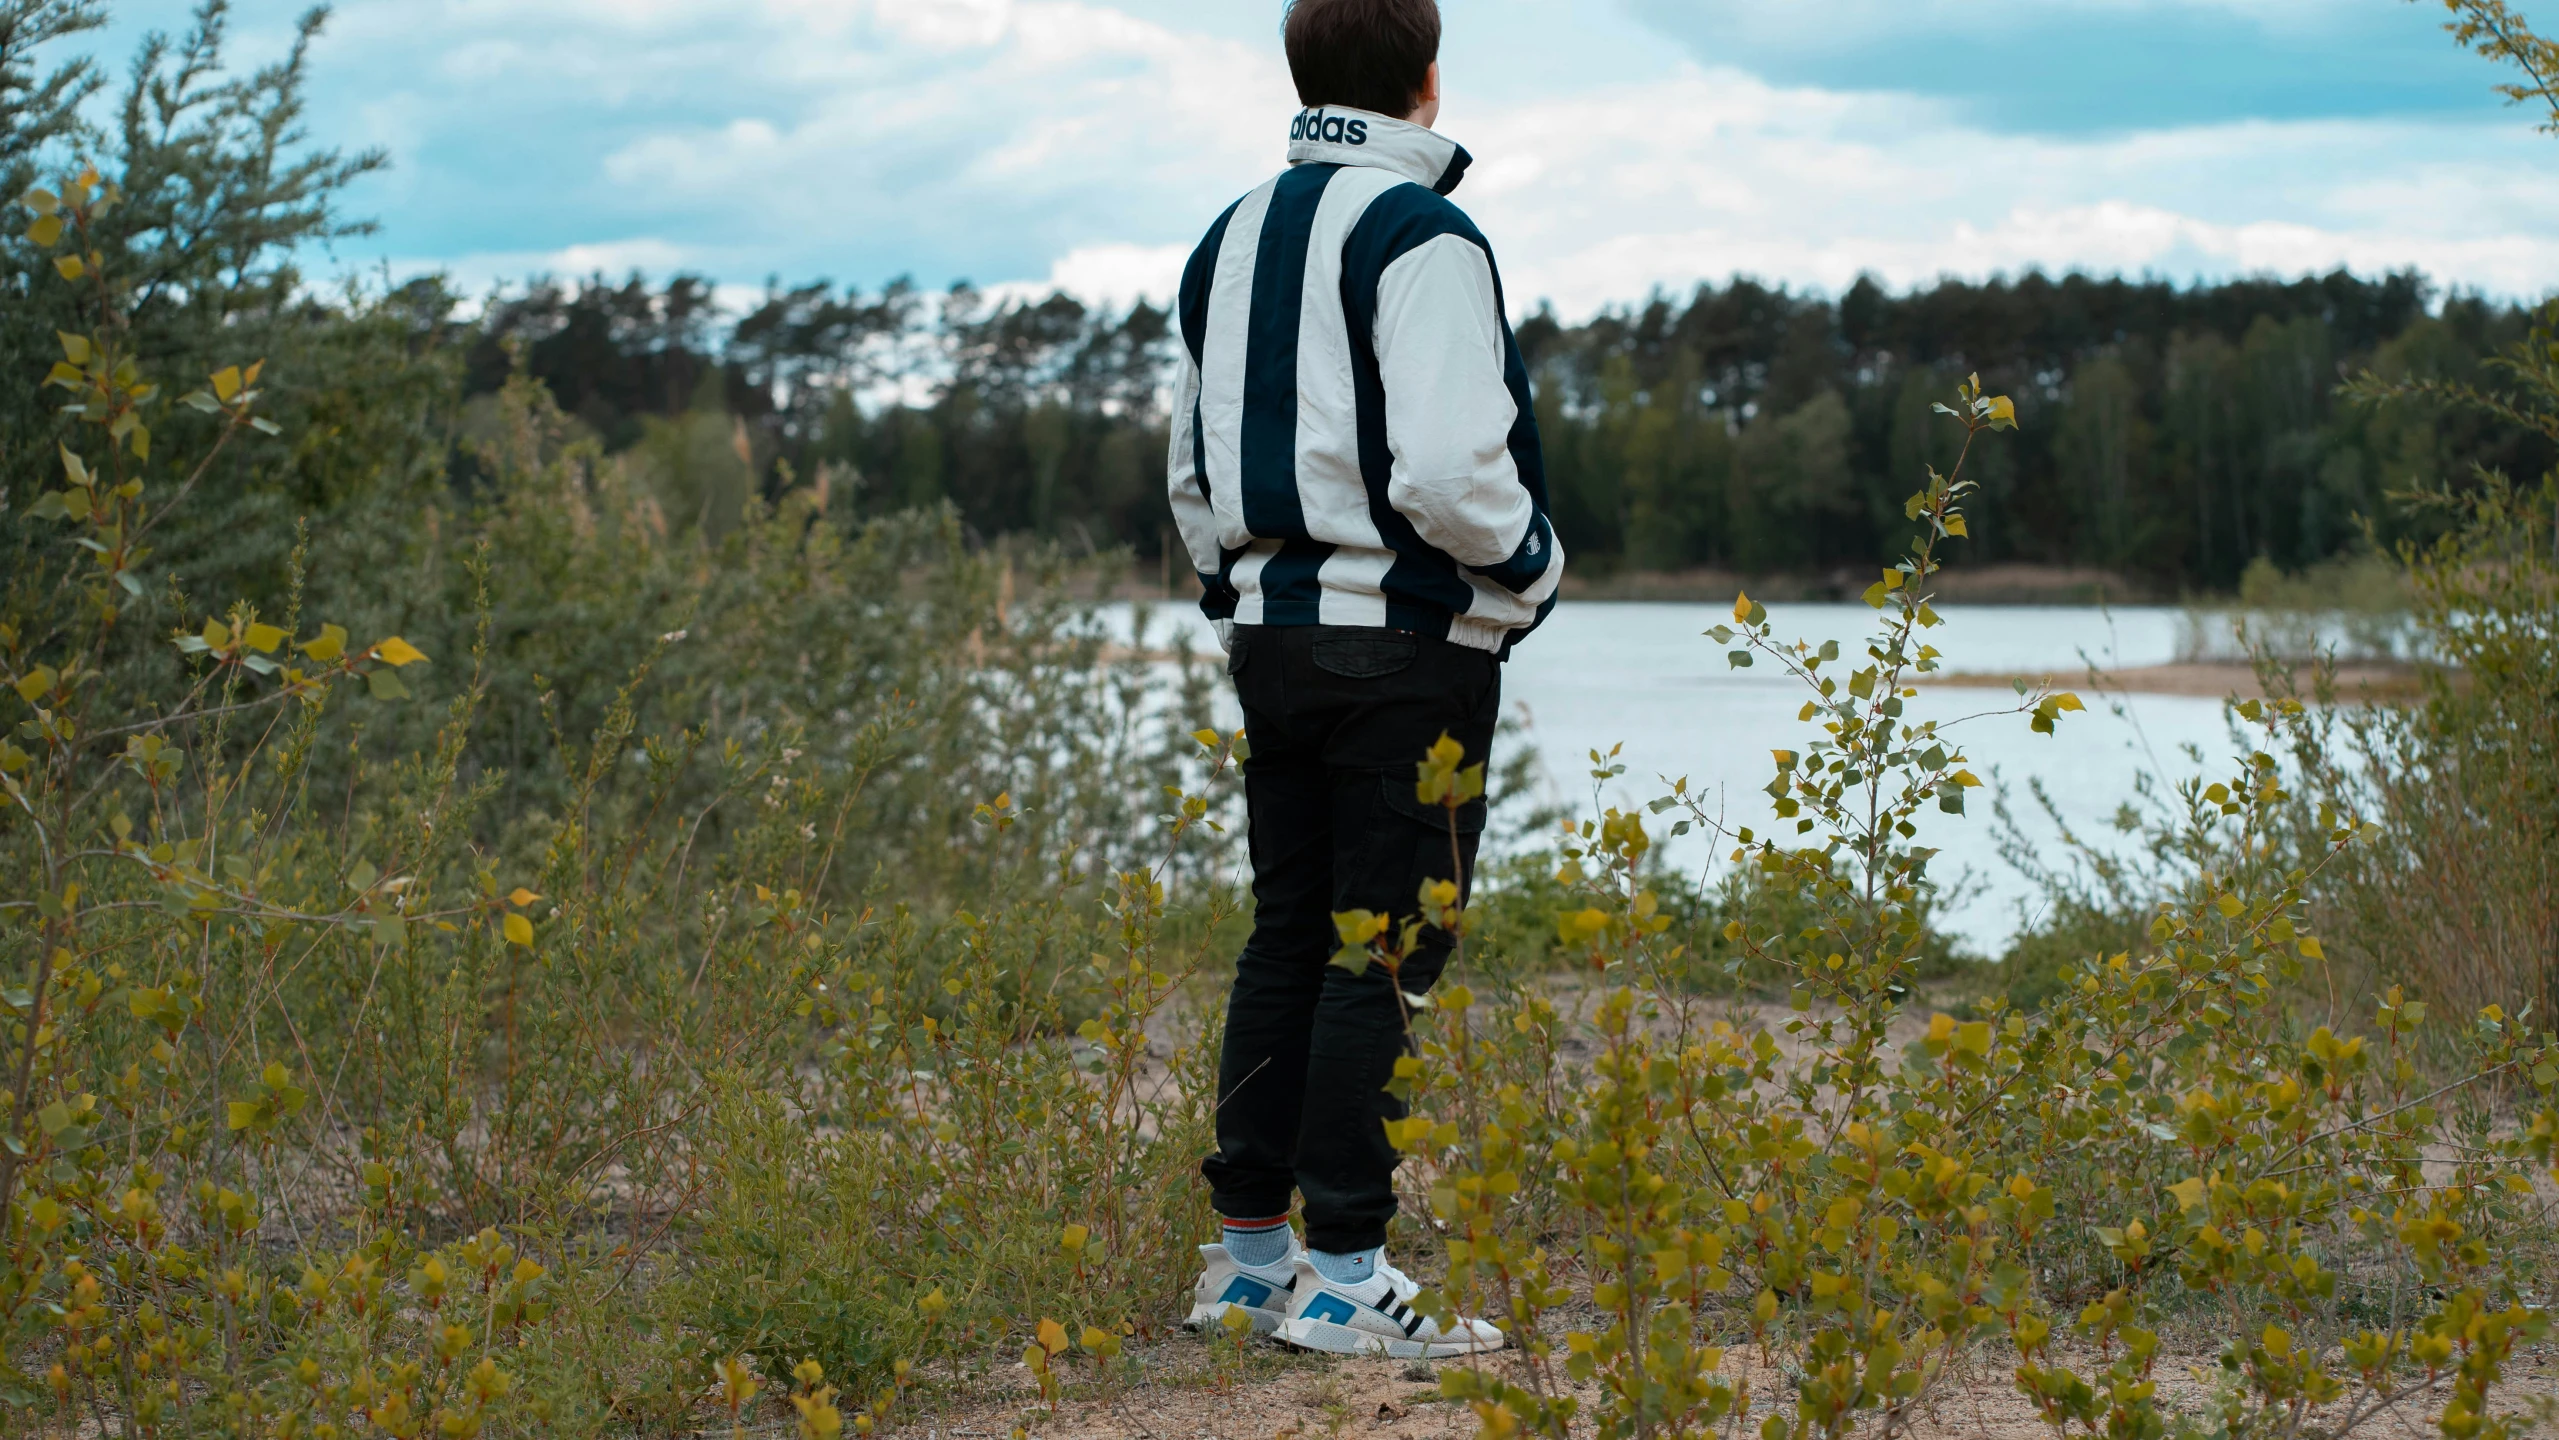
(1881, 1199)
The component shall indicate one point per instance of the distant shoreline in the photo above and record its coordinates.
(2357, 681)
(2015, 583)
(2002, 584)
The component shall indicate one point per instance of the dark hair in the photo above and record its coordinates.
(1367, 54)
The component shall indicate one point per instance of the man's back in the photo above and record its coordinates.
(1353, 442)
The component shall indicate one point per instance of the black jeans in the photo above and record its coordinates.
(1338, 719)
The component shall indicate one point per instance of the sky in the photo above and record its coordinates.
(1622, 145)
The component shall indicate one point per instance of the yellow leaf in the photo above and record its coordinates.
(45, 232)
(75, 348)
(396, 651)
(70, 267)
(2003, 411)
(217, 636)
(328, 645)
(263, 637)
(2189, 1193)
(2067, 701)
(1967, 779)
(1955, 526)
(1741, 608)
(519, 931)
(226, 383)
(1052, 1337)
(521, 897)
(2309, 946)
(33, 685)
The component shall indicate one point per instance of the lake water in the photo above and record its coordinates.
(1645, 677)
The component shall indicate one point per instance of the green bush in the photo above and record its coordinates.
(403, 1002)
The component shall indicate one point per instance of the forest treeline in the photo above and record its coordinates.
(2170, 434)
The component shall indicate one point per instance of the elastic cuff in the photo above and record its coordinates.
(1345, 1239)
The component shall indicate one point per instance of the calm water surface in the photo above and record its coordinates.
(1645, 677)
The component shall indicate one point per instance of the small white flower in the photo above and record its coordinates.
(672, 636)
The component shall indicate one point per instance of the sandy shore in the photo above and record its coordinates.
(2208, 679)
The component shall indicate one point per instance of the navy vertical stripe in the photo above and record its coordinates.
(1217, 597)
(1291, 592)
(1271, 507)
(1197, 276)
(1394, 224)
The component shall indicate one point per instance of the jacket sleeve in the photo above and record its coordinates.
(1449, 413)
(1186, 486)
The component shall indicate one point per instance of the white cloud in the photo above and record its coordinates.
(480, 271)
(1031, 143)
(1119, 276)
(1598, 197)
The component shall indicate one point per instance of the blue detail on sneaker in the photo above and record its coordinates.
(1328, 1306)
(1246, 1291)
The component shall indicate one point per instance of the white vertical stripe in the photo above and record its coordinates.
(1230, 315)
(1353, 584)
(1248, 581)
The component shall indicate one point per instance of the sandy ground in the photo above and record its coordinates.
(1279, 1395)
(2212, 680)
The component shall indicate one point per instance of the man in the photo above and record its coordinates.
(1355, 472)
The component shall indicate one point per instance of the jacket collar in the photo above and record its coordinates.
(1340, 135)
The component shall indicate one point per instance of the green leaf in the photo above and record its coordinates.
(54, 1118)
(41, 201)
(75, 348)
(385, 685)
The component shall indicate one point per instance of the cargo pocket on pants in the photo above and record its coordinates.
(1365, 657)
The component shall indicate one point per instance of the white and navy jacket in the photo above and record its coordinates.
(1352, 437)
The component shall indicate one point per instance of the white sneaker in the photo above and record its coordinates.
(1263, 1292)
(1376, 1317)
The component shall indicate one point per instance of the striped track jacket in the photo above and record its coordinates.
(1352, 438)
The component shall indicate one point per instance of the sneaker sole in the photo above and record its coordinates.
(1328, 1338)
(1209, 1317)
